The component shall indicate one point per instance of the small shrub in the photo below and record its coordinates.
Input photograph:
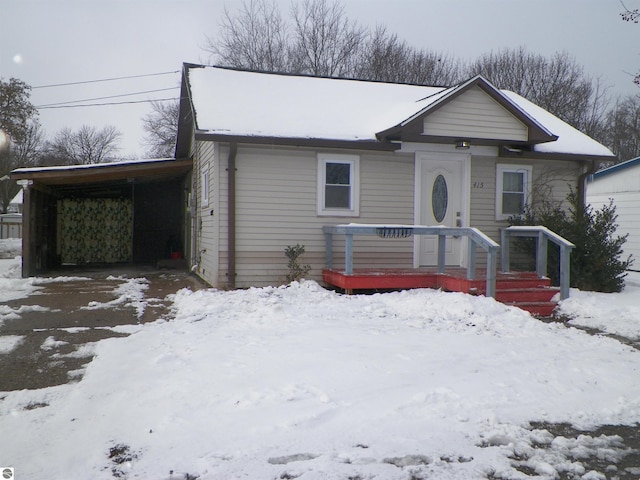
(595, 260)
(296, 271)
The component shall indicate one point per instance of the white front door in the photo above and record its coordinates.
(441, 199)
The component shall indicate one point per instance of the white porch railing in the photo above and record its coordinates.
(475, 236)
(544, 236)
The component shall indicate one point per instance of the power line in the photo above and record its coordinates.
(106, 79)
(110, 103)
(48, 105)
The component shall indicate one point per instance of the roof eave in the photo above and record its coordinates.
(573, 157)
(298, 141)
(102, 172)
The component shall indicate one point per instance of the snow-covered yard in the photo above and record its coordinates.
(301, 382)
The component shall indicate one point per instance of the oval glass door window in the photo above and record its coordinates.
(439, 198)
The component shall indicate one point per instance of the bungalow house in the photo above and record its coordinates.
(620, 183)
(277, 158)
(264, 161)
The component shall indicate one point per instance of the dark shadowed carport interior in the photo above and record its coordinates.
(105, 214)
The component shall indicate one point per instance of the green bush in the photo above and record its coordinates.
(595, 260)
(296, 271)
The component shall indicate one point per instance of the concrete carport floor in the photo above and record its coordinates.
(58, 324)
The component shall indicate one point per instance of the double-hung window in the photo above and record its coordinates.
(338, 185)
(513, 189)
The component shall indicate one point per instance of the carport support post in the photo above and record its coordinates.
(28, 243)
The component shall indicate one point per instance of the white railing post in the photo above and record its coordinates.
(328, 249)
(492, 255)
(565, 267)
(541, 255)
(348, 254)
(471, 264)
(442, 252)
(504, 251)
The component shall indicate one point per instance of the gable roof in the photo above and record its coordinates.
(537, 132)
(283, 108)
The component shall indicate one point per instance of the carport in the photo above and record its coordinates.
(131, 212)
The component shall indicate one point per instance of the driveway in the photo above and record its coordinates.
(53, 331)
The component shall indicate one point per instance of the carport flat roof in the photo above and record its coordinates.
(104, 172)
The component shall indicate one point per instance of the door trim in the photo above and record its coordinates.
(421, 158)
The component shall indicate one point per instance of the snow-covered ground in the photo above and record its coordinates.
(301, 382)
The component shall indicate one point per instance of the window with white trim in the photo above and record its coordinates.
(338, 184)
(513, 188)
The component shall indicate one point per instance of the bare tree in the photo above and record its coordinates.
(25, 153)
(161, 129)
(255, 38)
(624, 128)
(631, 16)
(557, 84)
(386, 58)
(85, 146)
(321, 40)
(325, 42)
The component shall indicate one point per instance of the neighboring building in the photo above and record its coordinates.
(15, 205)
(276, 157)
(11, 222)
(620, 183)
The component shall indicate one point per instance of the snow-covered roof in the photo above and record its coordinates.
(62, 168)
(244, 103)
(257, 104)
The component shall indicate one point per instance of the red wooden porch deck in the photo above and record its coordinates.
(522, 289)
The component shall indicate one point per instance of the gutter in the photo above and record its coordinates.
(231, 213)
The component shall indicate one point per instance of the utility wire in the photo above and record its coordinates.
(106, 79)
(48, 105)
(109, 103)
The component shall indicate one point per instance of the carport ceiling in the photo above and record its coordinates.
(103, 178)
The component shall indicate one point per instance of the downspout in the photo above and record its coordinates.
(592, 167)
(231, 213)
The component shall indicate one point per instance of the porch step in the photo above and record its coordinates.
(537, 309)
(538, 294)
(524, 290)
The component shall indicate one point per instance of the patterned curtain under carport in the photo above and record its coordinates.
(95, 230)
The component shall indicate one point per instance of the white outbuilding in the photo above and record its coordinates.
(620, 183)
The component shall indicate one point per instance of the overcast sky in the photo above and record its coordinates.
(53, 42)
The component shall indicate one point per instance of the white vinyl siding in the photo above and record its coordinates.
(277, 207)
(474, 114)
(204, 224)
(623, 187)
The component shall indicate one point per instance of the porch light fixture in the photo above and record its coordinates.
(462, 145)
